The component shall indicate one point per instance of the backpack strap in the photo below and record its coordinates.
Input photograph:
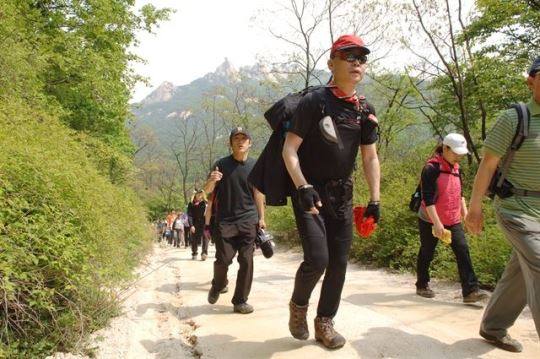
(522, 132)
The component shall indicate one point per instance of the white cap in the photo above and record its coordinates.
(457, 143)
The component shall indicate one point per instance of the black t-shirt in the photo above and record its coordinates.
(321, 161)
(196, 213)
(234, 194)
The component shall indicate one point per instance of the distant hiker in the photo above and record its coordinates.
(196, 209)
(178, 228)
(161, 225)
(240, 211)
(517, 215)
(187, 232)
(329, 126)
(442, 208)
(169, 230)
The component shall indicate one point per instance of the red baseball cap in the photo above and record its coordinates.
(349, 42)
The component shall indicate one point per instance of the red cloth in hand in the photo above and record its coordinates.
(364, 226)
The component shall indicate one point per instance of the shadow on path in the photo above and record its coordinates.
(247, 349)
(384, 342)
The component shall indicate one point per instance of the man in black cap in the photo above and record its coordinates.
(320, 163)
(518, 216)
(240, 211)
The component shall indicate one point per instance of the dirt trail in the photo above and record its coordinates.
(166, 315)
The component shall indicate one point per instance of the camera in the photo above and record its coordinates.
(265, 241)
(503, 191)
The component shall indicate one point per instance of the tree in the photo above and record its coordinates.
(311, 26)
(86, 45)
(183, 148)
(394, 96)
(448, 69)
(508, 29)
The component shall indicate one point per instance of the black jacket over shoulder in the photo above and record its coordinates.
(269, 175)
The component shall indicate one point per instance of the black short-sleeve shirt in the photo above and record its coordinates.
(322, 161)
(233, 193)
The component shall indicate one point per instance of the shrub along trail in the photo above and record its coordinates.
(166, 315)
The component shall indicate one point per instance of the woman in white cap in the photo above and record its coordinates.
(443, 206)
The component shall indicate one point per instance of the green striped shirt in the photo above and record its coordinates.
(524, 171)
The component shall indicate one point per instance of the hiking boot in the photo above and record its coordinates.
(213, 295)
(505, 343)
(194, 257)
(243, 308)
(425, 292)
(203, 257)
(297, 321)
(326, 334)
(475, 296)
(224, 290)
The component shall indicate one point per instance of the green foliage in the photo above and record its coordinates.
(280, 221)
(111, 163)
(70, 229)
(66, 234)
(395, 243)
(81, 49)
(507, 29)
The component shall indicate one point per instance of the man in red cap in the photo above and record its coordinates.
(320, 153)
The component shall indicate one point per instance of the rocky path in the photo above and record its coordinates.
(166, 315)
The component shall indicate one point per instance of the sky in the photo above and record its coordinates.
(197, 39)
(202, 33)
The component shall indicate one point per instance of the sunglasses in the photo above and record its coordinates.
(352, 57)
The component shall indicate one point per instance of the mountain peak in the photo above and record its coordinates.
(162, 93)
(226, 69)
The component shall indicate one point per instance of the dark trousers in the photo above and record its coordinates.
(197, 238)
(428, 243)
(187, 236)
(231, 239)
(326, 242)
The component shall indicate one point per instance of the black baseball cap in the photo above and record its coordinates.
(238, 130)
(535, 66)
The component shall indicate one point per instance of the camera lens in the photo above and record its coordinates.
(267, 248)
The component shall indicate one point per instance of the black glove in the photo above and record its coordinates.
(373, 210)
(308, 197)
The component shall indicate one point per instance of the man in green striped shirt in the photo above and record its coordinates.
(519, 218)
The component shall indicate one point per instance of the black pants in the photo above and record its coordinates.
(326, 242)
(231, 239)
(428, 243)
(197, 238)
(187, 236)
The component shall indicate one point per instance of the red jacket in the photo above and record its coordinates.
(448, 197)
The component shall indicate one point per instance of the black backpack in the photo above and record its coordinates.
(269, 174)
(279, 116)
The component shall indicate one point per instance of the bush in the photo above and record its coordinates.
(67, 235)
